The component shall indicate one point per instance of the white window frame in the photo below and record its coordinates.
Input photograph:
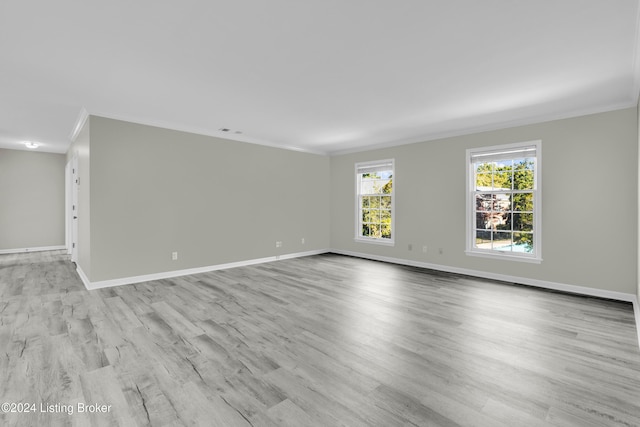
(358, 224)
(471, 249)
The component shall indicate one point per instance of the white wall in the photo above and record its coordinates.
(638, 260)
(153, 191)
(590, 194)
(214, 201)
(31, 200)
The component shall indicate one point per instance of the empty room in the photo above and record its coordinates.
(322, 213)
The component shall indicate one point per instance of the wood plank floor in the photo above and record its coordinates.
(326, 340)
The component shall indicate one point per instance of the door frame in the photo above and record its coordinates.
(67, 207)
(71, 196)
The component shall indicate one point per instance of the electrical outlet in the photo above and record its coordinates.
(174, 256)
(424, 249)
(278, 244)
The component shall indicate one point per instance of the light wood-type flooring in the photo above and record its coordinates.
(325, 340)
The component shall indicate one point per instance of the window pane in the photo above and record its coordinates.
(366, 231)
(386, 186)
(523, 180)
(385, 215)
(502, 180)
(502, 241)
(524, 163)
(502, 202)
(504, 221)
(523, 202)
(484, 202)
(483, 239)
(374, 201)
(386, 231)
(483, 181)
(484, 168)
(366, 215)
(370, 230)
(365, 201)
(495, 220)
(523, 242)
(385, 202)
(523, 221)
(482, 220)
(503, 165)
(366, 187)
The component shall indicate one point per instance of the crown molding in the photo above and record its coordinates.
(84, 114)
(487, 128)
(79, 124)
(636, 60)
(206, 132)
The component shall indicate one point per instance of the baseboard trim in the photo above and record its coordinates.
(574, 289)
(83, 277)
(36, 249)
(177, 273)
(580, 290)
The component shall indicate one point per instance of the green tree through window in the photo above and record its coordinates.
(375, 201)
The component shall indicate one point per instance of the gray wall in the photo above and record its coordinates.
(155, 191)
(31, 199)
(589, 195)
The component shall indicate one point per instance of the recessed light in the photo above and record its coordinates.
(224, 129)
(31, 145)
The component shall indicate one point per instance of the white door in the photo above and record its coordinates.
(67, 207)
(73, 218)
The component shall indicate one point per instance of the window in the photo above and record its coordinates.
(503, 204)
(374, 213)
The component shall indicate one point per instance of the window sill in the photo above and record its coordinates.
(504, 256)
(382, 242)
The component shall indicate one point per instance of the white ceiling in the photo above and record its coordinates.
(324, 76)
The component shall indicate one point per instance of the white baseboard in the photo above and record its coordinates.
(176, 273)
(37, 249)
(582, 290)
(83, 277)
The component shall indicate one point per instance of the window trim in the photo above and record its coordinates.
(471, 250)
(374, 240)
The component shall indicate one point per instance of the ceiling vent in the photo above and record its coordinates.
(237, 132)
